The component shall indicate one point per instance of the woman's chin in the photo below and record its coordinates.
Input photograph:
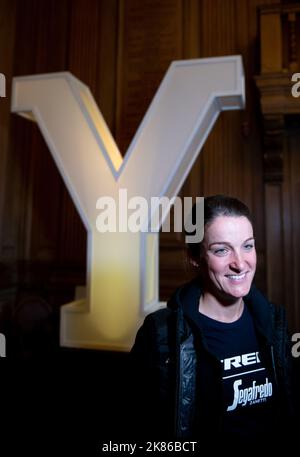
(239, 291)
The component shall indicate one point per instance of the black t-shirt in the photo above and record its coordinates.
(248, 388)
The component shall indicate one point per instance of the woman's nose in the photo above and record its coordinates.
(237, 261)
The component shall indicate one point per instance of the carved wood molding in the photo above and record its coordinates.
(275, 94)
(277, 104)
(273, 148)
(279, 26)
(279, 32)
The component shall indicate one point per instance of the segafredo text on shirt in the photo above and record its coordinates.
(250, 395)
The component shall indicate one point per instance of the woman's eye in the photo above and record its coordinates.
(249, 246)
(220, 251)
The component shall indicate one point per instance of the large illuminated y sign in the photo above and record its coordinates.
(122, 278)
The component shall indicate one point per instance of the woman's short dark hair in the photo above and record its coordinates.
(214, 206)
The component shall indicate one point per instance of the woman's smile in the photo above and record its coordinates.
(237, 278)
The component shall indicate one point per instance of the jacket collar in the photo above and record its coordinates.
(261, 311)
(256, 302)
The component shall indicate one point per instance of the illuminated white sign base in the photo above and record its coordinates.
(122, 278)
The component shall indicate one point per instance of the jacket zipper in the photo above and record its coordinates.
(178, 381)
(179, 389)
(273, 365)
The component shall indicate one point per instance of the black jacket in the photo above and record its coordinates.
(168, 356)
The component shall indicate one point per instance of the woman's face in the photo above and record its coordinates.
(230, 256)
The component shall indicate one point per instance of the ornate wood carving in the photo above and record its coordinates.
(273, 147)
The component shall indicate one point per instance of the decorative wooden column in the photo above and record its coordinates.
(280, 52)
(273, 178)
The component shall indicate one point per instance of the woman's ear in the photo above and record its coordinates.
(194, 263)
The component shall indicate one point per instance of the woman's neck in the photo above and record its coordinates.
(220, 311)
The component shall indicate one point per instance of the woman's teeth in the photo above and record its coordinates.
(237, 277)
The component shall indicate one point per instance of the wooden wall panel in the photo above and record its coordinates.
(106, 88)
(290, 264)
(191, 29)
(45, 48)
(41, 225)
(150, 38)
(218, 25)
(84, 41)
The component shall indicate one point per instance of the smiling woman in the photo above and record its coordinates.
(226, 260)
(215, 362)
